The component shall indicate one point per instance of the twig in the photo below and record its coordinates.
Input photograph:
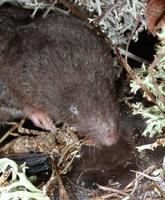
(135, 77)
(108, 10)
(73, 156)
(35, 10)
(22, 130)
(132, 56)
(158, 179)
(74, 10)
(136, 182)
(62, 192)
(112, 190)
(12, 129)
(137, 179)
(131, 36)
(49, 9)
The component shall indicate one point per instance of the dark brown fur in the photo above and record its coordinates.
(56, 68)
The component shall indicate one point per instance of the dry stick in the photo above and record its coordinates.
(25, 131)
(20, 124)
(134, 183)
(75, 153)
(158, 179)
(13, 128)
(49, 182)
(132, 56)
(138, 178)
(131, 36)
(35, 11)
(112, 190)
(62, 192)
(135, 77)
(109, 9)
(49, 9)
(74, 10)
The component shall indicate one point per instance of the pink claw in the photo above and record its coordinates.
(40, 118)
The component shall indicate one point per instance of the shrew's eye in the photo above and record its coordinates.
(73, 110)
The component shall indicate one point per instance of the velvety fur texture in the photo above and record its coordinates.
(57, 69)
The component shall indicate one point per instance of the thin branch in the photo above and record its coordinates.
(135, 77)
(131, 36)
